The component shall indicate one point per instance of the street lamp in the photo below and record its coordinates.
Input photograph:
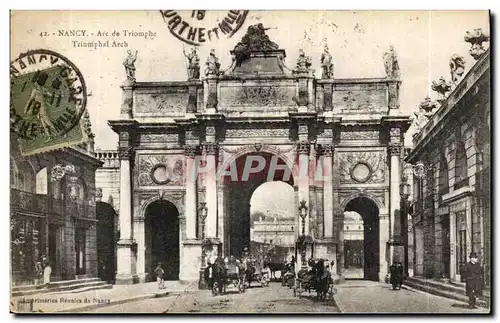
(203, 216)
(404, 192)
(303, 215)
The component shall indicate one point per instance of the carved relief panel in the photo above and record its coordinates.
(160, 170)
(351, 99)
(256, 95)
(161, 104)
(367, 167)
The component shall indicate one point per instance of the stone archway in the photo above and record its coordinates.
(252, 170)
(162, 243)
(369, 212)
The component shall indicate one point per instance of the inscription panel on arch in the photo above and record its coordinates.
(240, 98)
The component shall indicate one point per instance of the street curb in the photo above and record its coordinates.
(118, 302)
(448, 298)
(341, 309)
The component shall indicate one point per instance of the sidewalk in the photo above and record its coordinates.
(75, 302)
(375, 297)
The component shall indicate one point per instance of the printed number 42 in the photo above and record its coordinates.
(44, 34)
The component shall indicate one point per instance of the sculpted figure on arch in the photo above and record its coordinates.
(129, 64)
(391, 63)
(327, 64)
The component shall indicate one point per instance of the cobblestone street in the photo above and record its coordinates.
(272, 299)
(354, 296)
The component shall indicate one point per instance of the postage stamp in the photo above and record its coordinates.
(47, 100)
(192, 27)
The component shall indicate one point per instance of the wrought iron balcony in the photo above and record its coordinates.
(42, 204)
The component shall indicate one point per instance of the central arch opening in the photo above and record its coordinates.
(361, 239)
(272, 221)
(266, 175)
(162, 239)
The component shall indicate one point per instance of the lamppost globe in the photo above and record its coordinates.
(404, 189)
(303, 209)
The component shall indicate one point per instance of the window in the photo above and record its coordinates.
(26, 177)
(460, 166)
(41, 181)
(443, 175)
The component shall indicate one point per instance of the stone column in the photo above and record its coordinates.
(339, 224)
(328, 191)
(303, 150)
(383, 239)
(124, 245)
(141, 248)
(394, 149)
(210, 149)
(191, 207)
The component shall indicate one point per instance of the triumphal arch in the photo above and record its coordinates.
(282, 125)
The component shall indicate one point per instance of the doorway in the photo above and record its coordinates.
(162, 239)
(106, 242)
(370, 258)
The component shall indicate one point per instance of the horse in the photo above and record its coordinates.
(274, 267)
(321, 279)
(216, 275)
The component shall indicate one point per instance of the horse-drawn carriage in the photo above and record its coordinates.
(317, 278)
(255, 273)
(222, 274)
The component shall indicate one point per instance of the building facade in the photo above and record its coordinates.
(53, 215)
(279, 232)
(451, 184)
(257, 108)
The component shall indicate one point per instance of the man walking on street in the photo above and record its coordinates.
(473, 275)
(159, 276)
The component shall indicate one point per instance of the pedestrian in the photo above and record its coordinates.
(39, 272)
(399, 274)
(159, 276)
(473, 275)
(393, 271)
(47, 271)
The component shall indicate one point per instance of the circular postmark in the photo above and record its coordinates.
(197, 27)
(47, 97)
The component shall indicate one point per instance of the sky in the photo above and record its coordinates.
(424, 42)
